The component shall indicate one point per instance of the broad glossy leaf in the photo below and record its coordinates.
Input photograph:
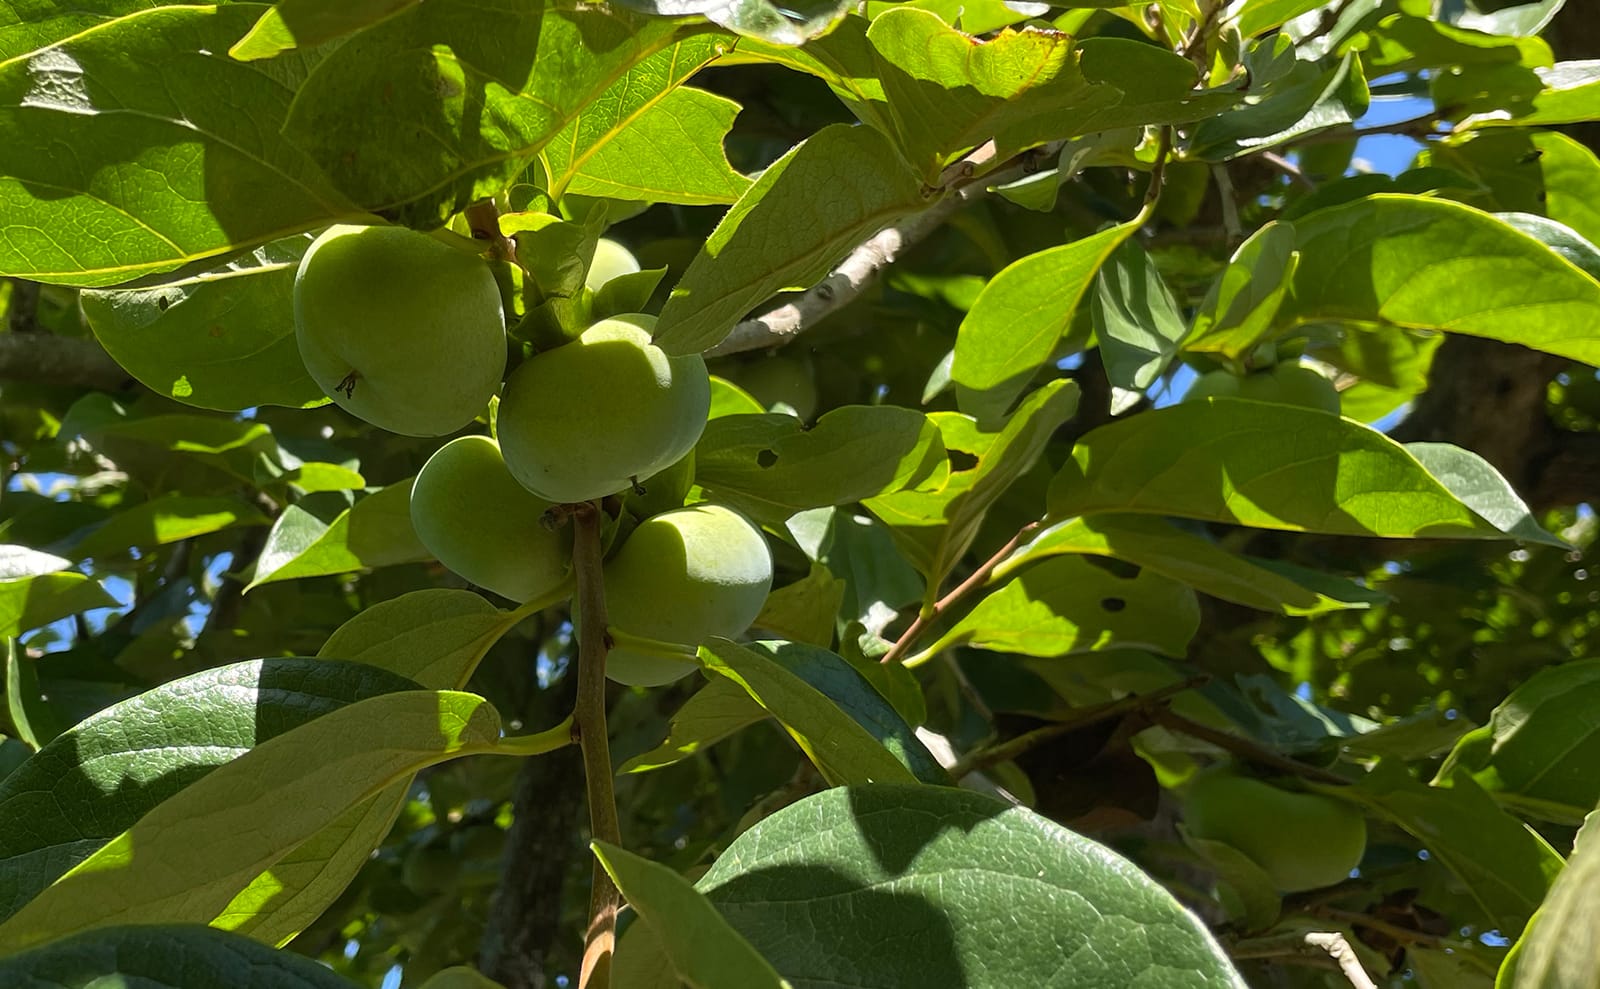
(647, 139)
(164, 957)
(36, 589)
(935, 524)
(806, 610)
(1506, 867)
(166, 519)
(886, 886)
(1267, 465)
(1136, 319)
(376, 532)
(165, 446)
(1530, 172)
(97, 779)
(842, 58)
(1538, 751)
(170, 867)
(771, 465)
(1310, 98)
(712, 713)
(1022, 313)
(1481, 488)
(848, 181)
(1157, 545)
(164, 169)
(1561, 947)
(760, 19)
(1067, 604)
(446, 102)
(842, 749)
(1258, 16)
(1511, 95)
(294, 24)
(435, 637)
(223, 339)
(1433, 264)
(1559, 237)
(38, 25)
(701, 947)
(1239, 308)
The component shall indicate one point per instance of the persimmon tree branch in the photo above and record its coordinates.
(1331, 943)
(976, 580)
(589, 725)
(37, 356)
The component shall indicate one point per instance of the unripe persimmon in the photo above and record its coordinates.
(1302, 840)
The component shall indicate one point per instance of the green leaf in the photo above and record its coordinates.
(1259, 16)
(1022, 313)
(39, 25)
(780, 25)
(164, 169)
(294, 24)
(1239, 308)
(164, 957)
(1561, 947)
(149, 748)
(1505, 866)
(771, 465)
(704, 951)
(1559, 238)
(376, 532)
(1136, 319)
(223, 339)
(806, 610)
(1067, 604)
(1433, 264)
(446, 102)
(35, 591)
(1480, 487)
(167, 519)
(842, 58)
(848, 182)
(1310, 98)
(436, 637)
(34, 721)
(1183, 556)
(1266, 465)
(1529, 172)
(935, 523)
(1537, 753)
(885, 886)
(842, 749)
(1513, 95)
(168, 447)
(649, 139)
(714, 712)
(169, 867)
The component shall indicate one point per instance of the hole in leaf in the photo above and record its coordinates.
(163, 303)
(961, 460)
(766, 458)
(1113, 604)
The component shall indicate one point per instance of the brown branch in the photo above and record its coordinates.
(22, 308)
(1404, 935)
(36, 356)
(589, 725)
(907, 638)
(1243, 747)
(1340, 951)
(1288, 946)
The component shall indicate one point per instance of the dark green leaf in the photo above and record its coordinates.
(1238, 310)
(56, 807)
(164, 957)
(221, 340)
(704, 951)
(164, 169)
(1267, 465)
(772, 466)
(848, 181)
(1136, 319)
(881, 887)
(806, 610)
(1310, 98)
(446, 102)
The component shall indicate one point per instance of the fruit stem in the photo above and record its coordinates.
(589, 724)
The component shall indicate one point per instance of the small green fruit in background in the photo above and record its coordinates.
(590, 418)
(611, 260)
(460, 977)
(779, 383)
(1213, 384)
(400, 329)
(1302, 840)
(681, 577)
(477, 520)
(1300, 385)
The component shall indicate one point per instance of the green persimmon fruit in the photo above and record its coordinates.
(594, 416)
(611, 260)
(400, 329)
(680, 577)
(1291, 384)
(1213, 384)
(1302, 840)
(779, 383)
(460, 977)
(477, 520)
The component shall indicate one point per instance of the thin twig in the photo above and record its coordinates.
(1230, 202)
(1288, 946)
(1243, 747)
(863, 265)
(589, 724)
(983, 758)
(1402, 934)
(907, 638)
(1340, 951)
(1420, 128)
(1288, 168)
